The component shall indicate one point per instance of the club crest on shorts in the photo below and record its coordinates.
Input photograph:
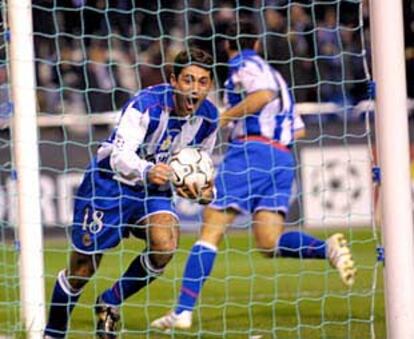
(86, 240)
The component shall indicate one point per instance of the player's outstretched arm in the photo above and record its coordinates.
(253, 103)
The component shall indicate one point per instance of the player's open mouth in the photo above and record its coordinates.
(191, 103)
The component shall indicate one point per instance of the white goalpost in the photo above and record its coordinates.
(25, 139)
(393, 147)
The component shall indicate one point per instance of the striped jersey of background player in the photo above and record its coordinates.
(255, 176)
(127, 186)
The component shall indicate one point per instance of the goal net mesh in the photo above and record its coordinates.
(91, 56)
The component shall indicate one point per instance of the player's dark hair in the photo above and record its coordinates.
(192, 56)
(242, 34)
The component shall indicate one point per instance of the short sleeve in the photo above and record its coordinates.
(254, 77)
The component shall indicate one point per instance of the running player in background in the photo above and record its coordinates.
(255, 176)
(127, 187)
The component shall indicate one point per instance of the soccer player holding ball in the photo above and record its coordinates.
(255, 176)
(127, 185)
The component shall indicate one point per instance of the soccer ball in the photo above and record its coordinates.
(191, 166)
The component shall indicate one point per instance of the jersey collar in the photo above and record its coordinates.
(240, 57)
(169, 100)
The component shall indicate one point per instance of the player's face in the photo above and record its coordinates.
(192, 87)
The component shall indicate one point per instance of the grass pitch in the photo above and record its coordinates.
(247, 295)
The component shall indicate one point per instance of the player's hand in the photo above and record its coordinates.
(224, 120)
(187, 192)
(160, 174)
(206, 194)
(203, 196)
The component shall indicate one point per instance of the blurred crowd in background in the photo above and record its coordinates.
(91, 55)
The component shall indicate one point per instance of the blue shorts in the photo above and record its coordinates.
(105, 210)
(255, 175)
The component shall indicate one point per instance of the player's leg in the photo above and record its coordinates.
(162, 241)
(202, 256)
(273, 241)
(88, 232)
(199, 265)
(268, 229)
(231, 177)
(275, 189)
(67, 290)
(268, 226)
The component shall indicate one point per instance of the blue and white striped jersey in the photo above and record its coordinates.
(149, 131)
(249, 73)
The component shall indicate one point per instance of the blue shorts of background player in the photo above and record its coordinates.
(255, 175)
